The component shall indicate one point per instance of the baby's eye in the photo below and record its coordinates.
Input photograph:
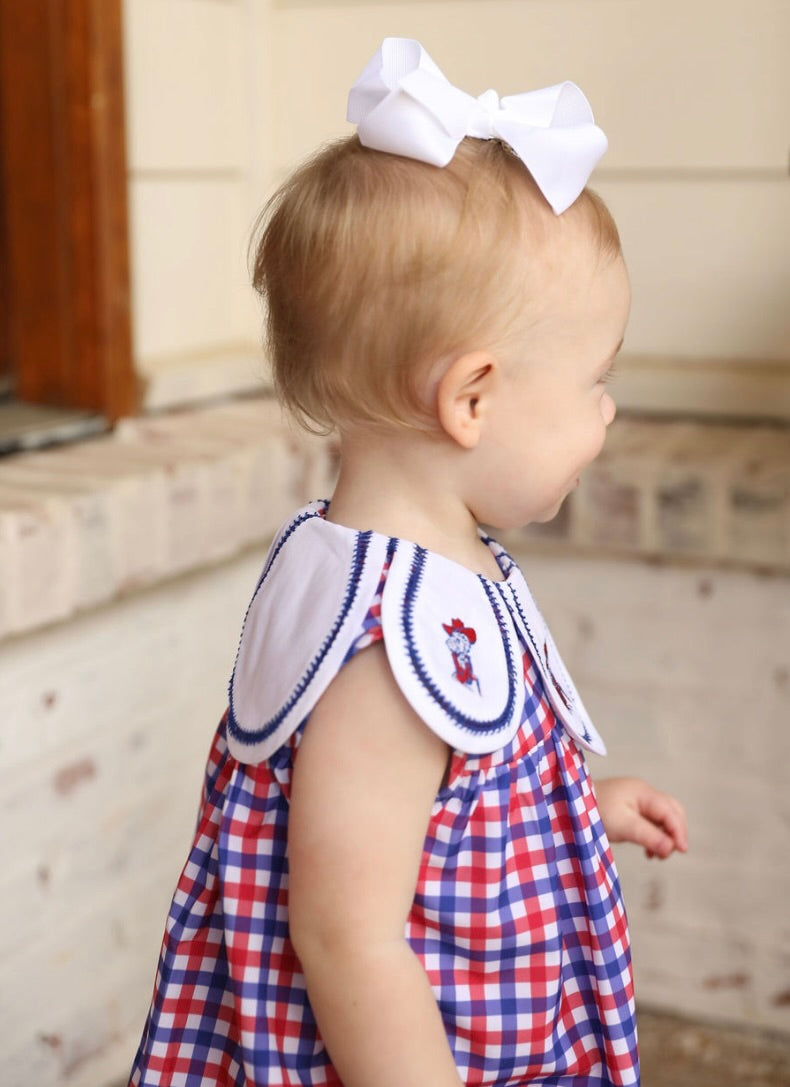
(609, 375)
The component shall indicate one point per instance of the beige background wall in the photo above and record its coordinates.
(695, 98)
(224, 96)
(195, 145)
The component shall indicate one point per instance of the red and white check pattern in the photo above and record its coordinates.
(517, 918)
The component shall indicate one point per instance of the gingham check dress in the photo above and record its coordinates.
(517, 914)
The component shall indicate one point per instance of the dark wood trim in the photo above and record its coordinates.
(6, 371)
(64, 179)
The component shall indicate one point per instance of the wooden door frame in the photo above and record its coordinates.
(64, 185)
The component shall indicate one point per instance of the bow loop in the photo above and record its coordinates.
(403, 104)
(402, 82)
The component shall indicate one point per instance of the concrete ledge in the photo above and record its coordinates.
(682, 491)
(166, 494)
(160, 496)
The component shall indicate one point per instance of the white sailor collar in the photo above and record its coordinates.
(455, 640)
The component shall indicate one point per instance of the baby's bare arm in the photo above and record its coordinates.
(365, 778)
(633, 811)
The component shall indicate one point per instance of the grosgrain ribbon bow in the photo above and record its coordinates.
(402, 103)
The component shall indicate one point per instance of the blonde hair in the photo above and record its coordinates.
(375, 267)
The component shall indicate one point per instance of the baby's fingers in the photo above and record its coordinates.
(655, 840)
(668, 819)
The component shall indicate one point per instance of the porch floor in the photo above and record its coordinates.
(679, 1053)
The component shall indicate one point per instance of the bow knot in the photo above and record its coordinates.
(402, 103)
(481, 121)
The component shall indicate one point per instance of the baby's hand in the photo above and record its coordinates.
(633, 811)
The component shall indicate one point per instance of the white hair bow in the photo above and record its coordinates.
(402, 103)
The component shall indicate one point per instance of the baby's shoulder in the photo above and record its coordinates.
(450, 638)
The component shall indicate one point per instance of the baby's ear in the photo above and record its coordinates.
(463, 394)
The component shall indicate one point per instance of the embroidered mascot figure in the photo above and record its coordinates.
(459, 641)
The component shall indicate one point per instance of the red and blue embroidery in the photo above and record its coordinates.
(459, 641)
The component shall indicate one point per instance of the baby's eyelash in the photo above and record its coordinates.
(610, 374)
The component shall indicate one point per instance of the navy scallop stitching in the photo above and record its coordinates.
(523, 618)
(292, 527)
(497, 724)
(360, 554)
(585, 731)
(501, 554)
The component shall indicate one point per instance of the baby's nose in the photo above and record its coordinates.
(608, 409)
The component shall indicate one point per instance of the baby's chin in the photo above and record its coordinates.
(521, 518)
(548, 516)
(551, 512)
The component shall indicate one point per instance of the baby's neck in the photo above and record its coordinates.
(403, 487)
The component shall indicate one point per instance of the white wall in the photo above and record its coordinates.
(104, 728)
(687, 674)
(105, 725)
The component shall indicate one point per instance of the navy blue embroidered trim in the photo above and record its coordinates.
(585, 731)
(361, 546)
(501, 555)
(471, 724)
(392, 547)
(523, 618)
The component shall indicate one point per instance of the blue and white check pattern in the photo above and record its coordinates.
(517, 918)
